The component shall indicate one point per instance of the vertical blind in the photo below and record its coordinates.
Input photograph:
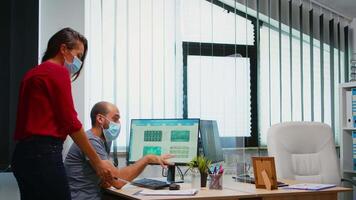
(132, 59)
(218, 86)
(136, 60)
(301, 65)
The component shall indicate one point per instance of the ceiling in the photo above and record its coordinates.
(345, 7)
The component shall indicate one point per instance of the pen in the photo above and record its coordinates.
(221, 170)
(211, 170)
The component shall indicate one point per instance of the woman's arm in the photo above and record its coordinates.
(60, 93)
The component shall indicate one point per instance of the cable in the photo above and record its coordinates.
(163, 174)
(186, 171)
(180, 173)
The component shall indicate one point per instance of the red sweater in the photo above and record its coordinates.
(45, 105)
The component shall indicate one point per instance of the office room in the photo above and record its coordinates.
(189, 99)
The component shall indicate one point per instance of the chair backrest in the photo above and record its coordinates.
(304, 151)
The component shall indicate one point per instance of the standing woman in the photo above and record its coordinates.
(46, 115)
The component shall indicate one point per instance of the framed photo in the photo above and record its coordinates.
(265, 172)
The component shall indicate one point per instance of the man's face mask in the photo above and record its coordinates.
(112, 132)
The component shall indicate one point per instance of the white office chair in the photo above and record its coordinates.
(304, 151)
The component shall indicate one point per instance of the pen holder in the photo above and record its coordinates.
(216, 181)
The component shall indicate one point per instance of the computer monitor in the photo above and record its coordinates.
(178, 137)
(210, 140)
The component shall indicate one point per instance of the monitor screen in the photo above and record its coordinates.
(210, 140)
(178, 137)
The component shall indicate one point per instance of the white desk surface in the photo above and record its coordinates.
(231, 189)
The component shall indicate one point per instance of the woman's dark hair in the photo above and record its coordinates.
(69, 37)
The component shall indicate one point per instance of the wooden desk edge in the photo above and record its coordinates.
(231, 192)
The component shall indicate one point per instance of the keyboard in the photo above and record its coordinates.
(150, 183)
(247, 179)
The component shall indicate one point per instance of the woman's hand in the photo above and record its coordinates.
(103, 170)
(102, 167)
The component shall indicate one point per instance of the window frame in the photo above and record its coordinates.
(221, 50)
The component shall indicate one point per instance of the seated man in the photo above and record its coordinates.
(83, 181)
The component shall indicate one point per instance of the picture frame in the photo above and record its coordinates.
(264, 170)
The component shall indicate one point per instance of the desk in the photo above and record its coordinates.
(233, 190)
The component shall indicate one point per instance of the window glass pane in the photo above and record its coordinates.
(220, 90)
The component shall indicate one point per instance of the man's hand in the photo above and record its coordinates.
(103, 171)
(162, 160)
(105, 184)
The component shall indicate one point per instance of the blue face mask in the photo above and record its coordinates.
(74, 66)
(112, 132)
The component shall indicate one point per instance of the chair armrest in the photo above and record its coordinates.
(349, 181)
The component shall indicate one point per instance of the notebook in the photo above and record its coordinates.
(187, 192)
(310, 186)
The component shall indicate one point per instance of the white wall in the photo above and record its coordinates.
(55, 15)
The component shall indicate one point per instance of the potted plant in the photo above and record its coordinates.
(202, 164)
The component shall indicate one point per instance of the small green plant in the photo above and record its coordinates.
(200, 162)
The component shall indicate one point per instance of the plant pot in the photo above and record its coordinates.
(203, 179)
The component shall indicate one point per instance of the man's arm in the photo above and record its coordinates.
(131, 172)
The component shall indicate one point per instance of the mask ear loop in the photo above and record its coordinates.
(101, 125)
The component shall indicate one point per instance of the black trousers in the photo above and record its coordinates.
(38, 167)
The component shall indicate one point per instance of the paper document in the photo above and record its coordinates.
(188, 192)
(310, 186)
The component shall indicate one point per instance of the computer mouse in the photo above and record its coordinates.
(174, 186)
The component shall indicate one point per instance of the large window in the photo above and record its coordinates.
(216, 66)
(241, 65)
(135, 60)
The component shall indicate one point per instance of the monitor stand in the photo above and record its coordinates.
(171, 174)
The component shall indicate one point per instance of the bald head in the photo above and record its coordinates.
(104, 108)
